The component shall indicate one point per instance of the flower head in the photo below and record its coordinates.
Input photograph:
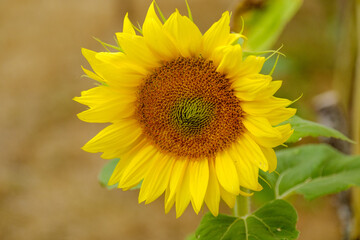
(189, 115)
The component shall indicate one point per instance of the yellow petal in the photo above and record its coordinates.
(159, 41)
(251, 65)
(271, 89)
(264, 106)
(228, 198)
(212, 197)
(252, 152)
(104, 95)
(185, 33)
(119, 169)
(138, 167)
(183, 195)
(217, 35)
(115, 136)
(119, 71)
(233, 38)
(249, 87)
(285, 131)
(169, 201)
(157, 179)
(92, 96)
(119, 62)
(151, 14)
(107, 104)
(104, 113)
(246, 194)
(115, 68)
(127, 25)
(92, 75)
(280, 115)
(228, 59)
(101, 67)
(271, 142)
(177, 175)
(136, 50)
(246, 166)
(119, 152)
(199, 178)
(97, 65)
(226, 173)
(156, 38)
(260, 127)
(270, 155)
(90, 57)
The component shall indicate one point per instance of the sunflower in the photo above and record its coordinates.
(189, 115)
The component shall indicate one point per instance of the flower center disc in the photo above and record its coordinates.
(187, 109)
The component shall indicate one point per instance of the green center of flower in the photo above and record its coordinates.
(187, 109)
(190, 116)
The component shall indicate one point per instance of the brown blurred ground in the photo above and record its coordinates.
(48, 185)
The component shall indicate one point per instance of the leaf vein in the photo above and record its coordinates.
(228, 228)
(294, 188)
(267, 226)
(246, 229)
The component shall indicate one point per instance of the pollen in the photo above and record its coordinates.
(188, 109)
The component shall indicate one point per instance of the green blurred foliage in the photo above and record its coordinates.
(309, 44)
(266, 22)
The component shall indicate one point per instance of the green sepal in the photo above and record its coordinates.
(106, 45)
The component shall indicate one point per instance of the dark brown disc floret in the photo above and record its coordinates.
(188, 109)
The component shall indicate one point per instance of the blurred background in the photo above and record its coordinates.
(48, 185)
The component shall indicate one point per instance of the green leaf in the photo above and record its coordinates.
(191, 237)
(106, 173)
(267, 22)
(275, 220)
(312, 171)
(303, 128)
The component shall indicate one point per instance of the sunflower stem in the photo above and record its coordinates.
(242, 206)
